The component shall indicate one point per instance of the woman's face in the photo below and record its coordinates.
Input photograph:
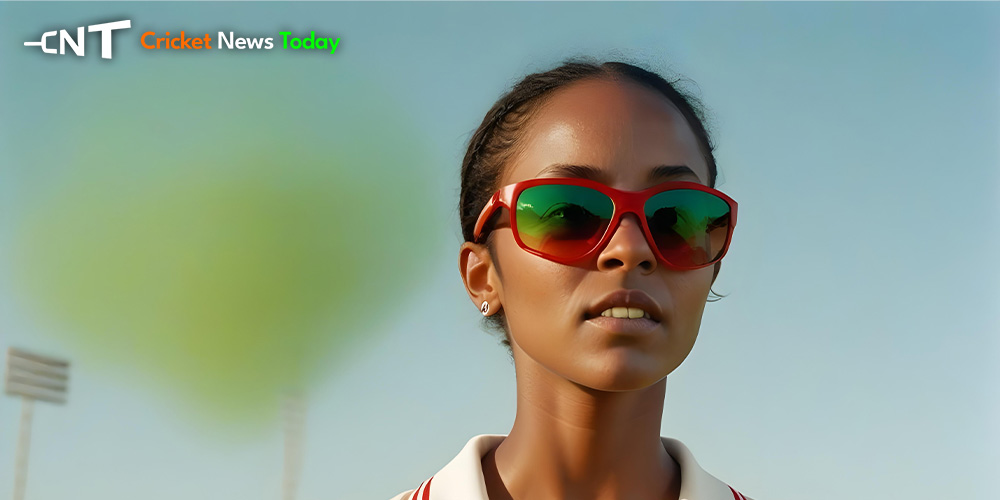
(622, 130)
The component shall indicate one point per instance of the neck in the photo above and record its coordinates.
(571, 441)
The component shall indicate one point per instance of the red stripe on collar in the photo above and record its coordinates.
(427, 490)
(423, 492)
(737, 495)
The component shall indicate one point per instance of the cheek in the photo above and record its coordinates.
(689, 291)
(537, 296)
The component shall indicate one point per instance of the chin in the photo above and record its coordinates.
(623, 375)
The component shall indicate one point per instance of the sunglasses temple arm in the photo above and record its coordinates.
(485, 215)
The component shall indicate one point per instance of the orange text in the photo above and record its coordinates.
(176, 43)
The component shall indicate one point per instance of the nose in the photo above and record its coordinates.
(627, 248)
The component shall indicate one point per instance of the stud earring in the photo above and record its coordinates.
(485, 308)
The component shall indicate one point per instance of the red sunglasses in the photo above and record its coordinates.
(568, 219)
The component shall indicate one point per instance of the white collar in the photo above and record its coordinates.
(462, 478)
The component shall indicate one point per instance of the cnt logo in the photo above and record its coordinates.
(78, 44)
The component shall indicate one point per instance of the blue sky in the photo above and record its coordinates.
(857, 351)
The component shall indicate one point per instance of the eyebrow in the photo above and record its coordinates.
(599, 175)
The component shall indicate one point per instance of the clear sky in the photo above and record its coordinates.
(855, 355)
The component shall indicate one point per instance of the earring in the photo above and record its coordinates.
(485, 308)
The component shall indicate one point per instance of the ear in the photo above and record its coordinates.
(479, 275)
(718, 266)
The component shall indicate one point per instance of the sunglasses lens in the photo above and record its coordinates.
(689, 227)
(561, 220)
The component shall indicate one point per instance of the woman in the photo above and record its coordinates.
(593, 236)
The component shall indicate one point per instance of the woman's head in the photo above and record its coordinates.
(619, 122)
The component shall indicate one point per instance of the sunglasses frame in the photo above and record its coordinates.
(624, 202)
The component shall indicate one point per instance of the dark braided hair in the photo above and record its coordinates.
(496, 140)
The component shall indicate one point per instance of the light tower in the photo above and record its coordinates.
(32, 377)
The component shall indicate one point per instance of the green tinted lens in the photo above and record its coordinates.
(689, 227)
(561, 220)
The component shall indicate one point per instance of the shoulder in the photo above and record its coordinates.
(459, 479)
(422, 492)
(403, 496)
(697, 483)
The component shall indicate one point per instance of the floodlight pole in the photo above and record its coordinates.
(30, 377)
(23, 442)
(294, 426)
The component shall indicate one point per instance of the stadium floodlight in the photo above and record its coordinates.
(32, 377)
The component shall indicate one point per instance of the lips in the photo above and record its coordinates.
(626, 298)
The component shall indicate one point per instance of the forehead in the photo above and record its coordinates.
(620, 128)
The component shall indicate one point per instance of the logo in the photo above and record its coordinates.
(57, 42)
(78, 44)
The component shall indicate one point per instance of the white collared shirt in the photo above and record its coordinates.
(462, 478)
